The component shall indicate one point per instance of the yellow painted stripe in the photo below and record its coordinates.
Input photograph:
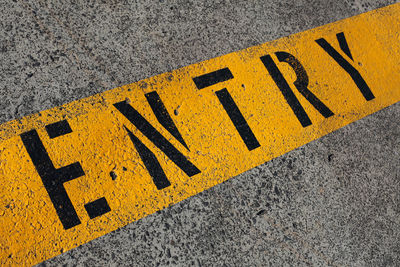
(116, 180)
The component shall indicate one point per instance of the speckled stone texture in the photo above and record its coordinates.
(334, 201)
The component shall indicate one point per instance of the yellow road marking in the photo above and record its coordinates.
(113, 158)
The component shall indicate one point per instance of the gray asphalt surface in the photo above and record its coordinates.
(334, 201)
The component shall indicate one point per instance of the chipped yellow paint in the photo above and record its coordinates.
(30, 230)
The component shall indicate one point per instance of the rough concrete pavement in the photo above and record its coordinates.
(332, 202)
